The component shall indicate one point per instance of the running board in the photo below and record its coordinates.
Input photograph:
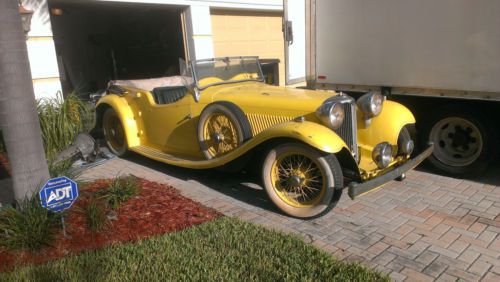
(163, 157)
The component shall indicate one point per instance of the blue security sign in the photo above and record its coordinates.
(58, 194)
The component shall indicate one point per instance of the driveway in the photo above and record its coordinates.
(425, 228)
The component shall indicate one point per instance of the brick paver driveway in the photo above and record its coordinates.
(427, 227)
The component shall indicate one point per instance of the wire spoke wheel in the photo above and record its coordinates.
(114, 133)
(220, 135)
(222, 128)
(301, 181)
(298, 180)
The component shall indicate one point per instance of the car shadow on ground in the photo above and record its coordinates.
(241, 186)
(246, 187)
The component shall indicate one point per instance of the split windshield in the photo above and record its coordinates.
(226, 70)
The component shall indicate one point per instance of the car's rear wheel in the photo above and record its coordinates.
(222, 128)
(114, 133)
(301, 181)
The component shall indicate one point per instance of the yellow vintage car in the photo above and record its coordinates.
(308, 145)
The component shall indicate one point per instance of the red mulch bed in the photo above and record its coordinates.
(4, 166)
(158, 209)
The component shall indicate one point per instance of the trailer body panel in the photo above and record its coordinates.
(441, 48)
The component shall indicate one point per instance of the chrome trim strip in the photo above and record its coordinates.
(346, 101)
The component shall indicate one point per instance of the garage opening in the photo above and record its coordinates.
(97, 42)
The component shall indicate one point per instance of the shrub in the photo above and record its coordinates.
(60, 120)
(120, 190)
(95, 212)
(30, 226)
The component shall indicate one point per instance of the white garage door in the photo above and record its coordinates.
(245, 33)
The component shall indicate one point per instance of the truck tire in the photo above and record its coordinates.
(463, 141)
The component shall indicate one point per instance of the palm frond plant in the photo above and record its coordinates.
(60, 120)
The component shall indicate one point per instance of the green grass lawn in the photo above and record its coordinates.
(224, 249)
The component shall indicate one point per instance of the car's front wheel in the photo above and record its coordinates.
(301, 181)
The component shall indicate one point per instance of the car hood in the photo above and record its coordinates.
(253, 94)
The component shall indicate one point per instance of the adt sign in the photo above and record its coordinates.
(59, 194)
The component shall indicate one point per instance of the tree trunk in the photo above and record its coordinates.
(18, 116)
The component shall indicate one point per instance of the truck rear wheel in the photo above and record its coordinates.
(462, 141)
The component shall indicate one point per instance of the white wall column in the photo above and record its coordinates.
(199, 32)
(42, 51)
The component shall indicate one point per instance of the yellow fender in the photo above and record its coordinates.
(123, 110)
(386, 126)
(316, 135)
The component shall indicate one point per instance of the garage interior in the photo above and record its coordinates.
(97, 42)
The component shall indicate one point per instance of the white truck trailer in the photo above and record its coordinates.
(440, 58)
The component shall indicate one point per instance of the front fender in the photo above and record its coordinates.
(386, 126)
(314, 134)
(123, 110)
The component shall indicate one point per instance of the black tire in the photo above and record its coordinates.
(235, 115)
(114, 134)
(465, 151)
(327, 165)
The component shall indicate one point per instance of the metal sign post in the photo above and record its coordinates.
(59, 194)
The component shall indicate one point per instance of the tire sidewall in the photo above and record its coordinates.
(308, 212)
(117, 151)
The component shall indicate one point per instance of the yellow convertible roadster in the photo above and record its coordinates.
(306, 143)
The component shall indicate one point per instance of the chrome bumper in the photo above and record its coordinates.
(355, 189)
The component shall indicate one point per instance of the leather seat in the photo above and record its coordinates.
(168, 95)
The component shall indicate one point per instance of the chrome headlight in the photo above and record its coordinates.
(370, 104)
(331, 114)
(382, 155)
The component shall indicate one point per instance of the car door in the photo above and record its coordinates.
(168, 126)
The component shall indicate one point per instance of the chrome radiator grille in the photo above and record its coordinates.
(348, 130)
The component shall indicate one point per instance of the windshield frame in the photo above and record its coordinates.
(193, 71)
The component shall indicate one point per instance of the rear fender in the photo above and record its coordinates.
(123, 110)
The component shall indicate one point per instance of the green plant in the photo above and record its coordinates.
(225, 249)
(62, 168)
(30, 226)
(60, 120)
(95, 212)
(120, 190)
